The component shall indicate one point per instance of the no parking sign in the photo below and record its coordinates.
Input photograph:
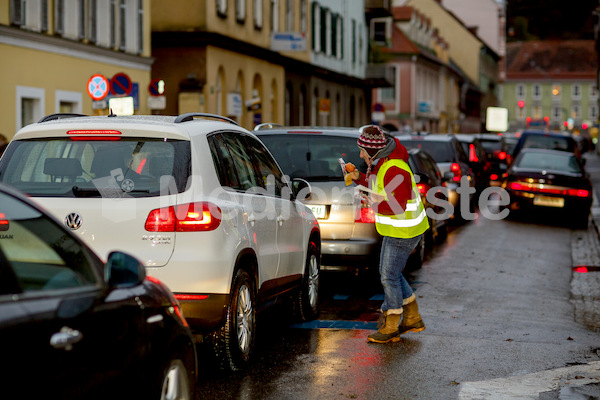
(98, 87)
(120, 85)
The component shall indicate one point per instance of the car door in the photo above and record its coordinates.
(76, 336)
(289, 221)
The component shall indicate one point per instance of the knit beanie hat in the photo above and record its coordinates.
(372, 139)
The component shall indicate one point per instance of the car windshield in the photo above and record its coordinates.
(88, 168)
(491, 146)
(549, 142)
(313, 156)
(552, 162)
(440, 151)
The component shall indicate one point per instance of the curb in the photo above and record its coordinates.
(585, 244)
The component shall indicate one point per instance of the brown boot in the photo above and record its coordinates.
(411, 320)
(388, 332)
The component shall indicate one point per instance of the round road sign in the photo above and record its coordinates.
(98, 87)
(120, 85)
(156, 87)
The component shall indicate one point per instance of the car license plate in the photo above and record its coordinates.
(319, 211)
(549, 201)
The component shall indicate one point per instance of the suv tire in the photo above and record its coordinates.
(306, 302)
(233, 343)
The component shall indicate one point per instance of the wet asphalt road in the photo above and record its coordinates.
(496, 302)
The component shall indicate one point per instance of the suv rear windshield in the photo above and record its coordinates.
(550, 142)
(440, 151)
(88, 168)
(313, 156)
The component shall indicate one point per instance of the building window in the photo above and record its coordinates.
(140, 26)
(30, 105)
(520, 91)
(93, 21)
(258, 14)
(222, 8)
(17, 12)
(68, 102)
(334, 37)
(81, 19)
(521, 113)
(303, 17)
(240, 11)
(353, 23)
(556, 113)
(274, 16)
(361, 44)
(122, 25)
(113, 23)
(576, 111)
(537, 112)
(537, 91)
(339, 37)
(316, 28)
(325, 31)
(59, 16)
(593, 92)
(289, 16)
(593, 112)
(576, 91)
(44, 16)
(556, 89)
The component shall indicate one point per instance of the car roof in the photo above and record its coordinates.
(183, 126)
(441, 137)
(321, 130)
(546, 133)
(547, 151)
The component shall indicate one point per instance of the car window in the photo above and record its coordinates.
(223, 162)
(549, 142)
(440, 151)
(271, 177)
(553, 162)
(313, 156)
(241, 161)
(42, 254)
(88, 168)
(491, 146)
(430, 166)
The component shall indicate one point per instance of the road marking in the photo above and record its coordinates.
(336, 324)
(531, 385)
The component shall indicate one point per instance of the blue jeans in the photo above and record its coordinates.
(393, 258)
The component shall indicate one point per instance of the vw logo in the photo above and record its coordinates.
(73, 221)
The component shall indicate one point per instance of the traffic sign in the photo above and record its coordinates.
(120, 85)
(98, 87)
(156, 87)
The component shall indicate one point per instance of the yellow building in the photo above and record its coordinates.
(49, 51)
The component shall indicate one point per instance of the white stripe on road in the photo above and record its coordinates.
(531, 385)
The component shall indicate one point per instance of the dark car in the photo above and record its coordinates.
(73, 327)
(478, 159)
(550, 180)
(451, 160)
(547, 140)
(498, 155)
(433, 192)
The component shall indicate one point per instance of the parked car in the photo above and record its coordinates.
(76, 327)
(197, 198)
(432, 188)
(547, 140)
(496, 150)
(348, 236)
(452, 161)
(553, 180)
(478, 159)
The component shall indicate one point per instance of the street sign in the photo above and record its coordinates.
(98, 87)
(156, 87)
(496, 119)
(120, 85)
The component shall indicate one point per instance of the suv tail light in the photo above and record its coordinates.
(472, 153)
(365, 215)
(539, 189)
(3, 222)
(455, 167)
(192, 217)
(422, 188)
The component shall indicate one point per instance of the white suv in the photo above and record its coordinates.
(197, 198)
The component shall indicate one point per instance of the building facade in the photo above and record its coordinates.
(51, 49)
(551, 85)
(263, 61)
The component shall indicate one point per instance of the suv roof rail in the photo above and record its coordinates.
(266, 125)
(190, 116)
(53, 117)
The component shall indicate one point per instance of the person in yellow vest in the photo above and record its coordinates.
(401, 220)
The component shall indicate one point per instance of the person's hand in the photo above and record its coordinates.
(352, 171)
(373, 198)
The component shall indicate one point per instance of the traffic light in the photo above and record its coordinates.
(521, 103)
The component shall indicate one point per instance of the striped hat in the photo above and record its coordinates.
(372, 138)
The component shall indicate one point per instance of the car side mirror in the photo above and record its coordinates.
(301, 189)
(123, 270)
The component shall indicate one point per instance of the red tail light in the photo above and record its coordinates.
(94, 134)
(365, 215)
(456, 169)
(191, 217)
(180, 296)
(494, 177)
(548, 190)
(502, 155)
(3, 222)
(422, 188)
(578, 192)
(473, 154)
